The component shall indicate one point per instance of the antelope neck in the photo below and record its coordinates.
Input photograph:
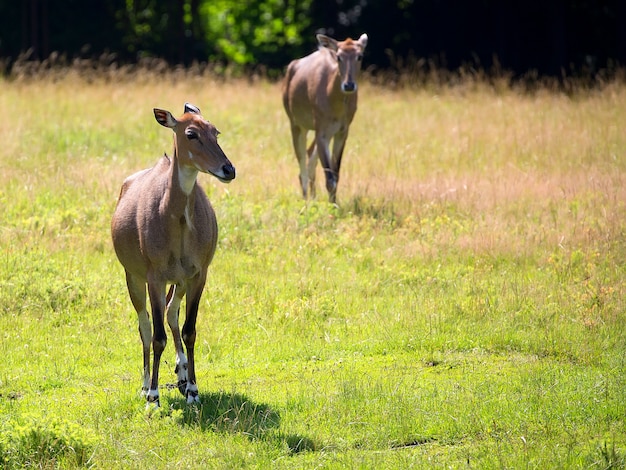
(182, 180)
(186, 178)
(185, 175)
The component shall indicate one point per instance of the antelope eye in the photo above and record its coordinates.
(191, 134)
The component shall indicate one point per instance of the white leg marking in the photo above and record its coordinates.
(181, 366)
(153, 398)
(181, 372)
(192, 394)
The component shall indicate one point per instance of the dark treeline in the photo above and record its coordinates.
(550, 37)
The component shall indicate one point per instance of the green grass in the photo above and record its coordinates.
(463, 306)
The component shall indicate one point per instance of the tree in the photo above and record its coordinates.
(254, 32)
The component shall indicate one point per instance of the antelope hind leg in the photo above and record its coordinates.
(312, 166)
(298, 136)
(137, 293)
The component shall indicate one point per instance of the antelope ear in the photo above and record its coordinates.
(165, 118)
(363, 40)
(190, 108)
(327, 42)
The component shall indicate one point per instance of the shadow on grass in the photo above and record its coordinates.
(382, 210)
(235, 413)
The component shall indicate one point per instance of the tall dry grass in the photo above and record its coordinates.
(521, 168)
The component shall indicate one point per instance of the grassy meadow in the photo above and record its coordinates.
(462, 307)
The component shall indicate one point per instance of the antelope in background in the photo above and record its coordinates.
(320, 94)
(164, 232)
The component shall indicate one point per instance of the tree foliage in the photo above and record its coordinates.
(550, 37)
(254, 32)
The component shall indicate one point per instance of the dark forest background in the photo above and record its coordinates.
(550, 37)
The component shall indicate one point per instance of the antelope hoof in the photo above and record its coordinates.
(181, 372)
(331, 186)
(182, 386)
(152, 398)
(192, 394)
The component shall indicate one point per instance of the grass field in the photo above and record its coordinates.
(462, 307)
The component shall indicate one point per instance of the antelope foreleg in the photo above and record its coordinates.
(174, 298)
(323, 151)
(339, 143)
(311, 166)
(146, 340)
(189, 337)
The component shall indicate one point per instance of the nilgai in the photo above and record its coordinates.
(165, 233)
(320, 94)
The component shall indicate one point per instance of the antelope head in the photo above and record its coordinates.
(349, 55)
(196, 144)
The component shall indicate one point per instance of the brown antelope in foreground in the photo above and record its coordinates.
(164, 232)
(320, 94)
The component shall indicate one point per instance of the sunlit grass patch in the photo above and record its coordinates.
(462, 304)
(45, 442)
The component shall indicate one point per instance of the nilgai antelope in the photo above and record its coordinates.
(164, 233)
(320, 94)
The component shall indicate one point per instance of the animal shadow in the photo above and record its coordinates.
(228, 412)
(235, 413)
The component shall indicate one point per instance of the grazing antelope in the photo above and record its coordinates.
(164, 232)
(320, 94)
